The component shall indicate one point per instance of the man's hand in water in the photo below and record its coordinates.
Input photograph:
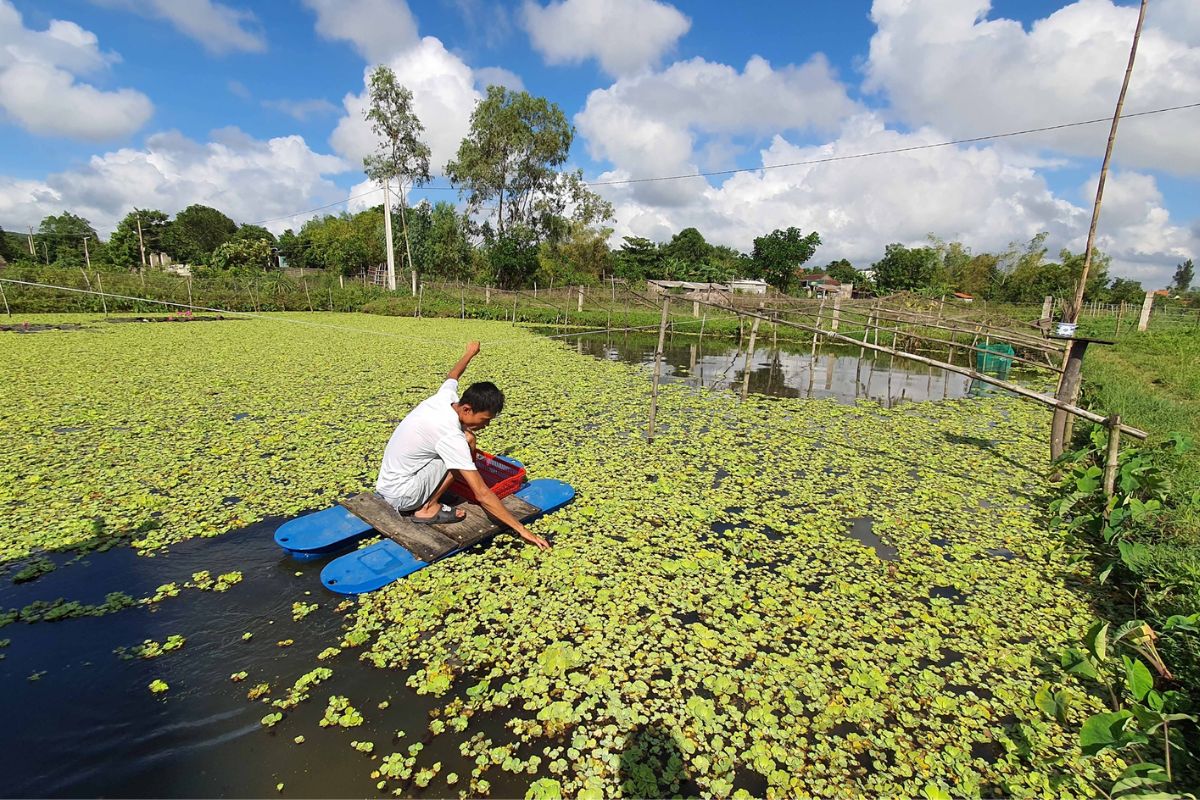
(534, 539)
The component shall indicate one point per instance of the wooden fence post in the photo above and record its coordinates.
(579, 305)
(8, 310)
(1147, 304)
(104, 302)
(1110, 460)
(487, 295)
(1047, 305)
(662, 335)
(307, 296)
(837, 312)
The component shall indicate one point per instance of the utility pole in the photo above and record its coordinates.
(387, 236)
(141, 243)
(1073, 311)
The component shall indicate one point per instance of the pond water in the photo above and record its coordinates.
(89, 726)
(842, 372)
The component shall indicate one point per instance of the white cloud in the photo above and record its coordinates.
(498, 76)
(217, 27)
(973, 194)
(302, 109)
(653, 123)
(40, 92)
(238, 89)
(444, 95)
(943, 62)
(377, 29)
(624, 36)
(248, 179)
(1136, 230)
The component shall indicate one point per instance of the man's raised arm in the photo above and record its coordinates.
(458, 369)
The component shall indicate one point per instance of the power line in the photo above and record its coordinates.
(808, 162)
(892, 151)
(828, 159)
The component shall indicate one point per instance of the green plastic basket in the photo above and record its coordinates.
(998, 358)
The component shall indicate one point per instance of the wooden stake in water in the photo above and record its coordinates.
(104, 303)
(749, 355)
(662, 335)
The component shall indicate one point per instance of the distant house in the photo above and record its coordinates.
(1162, 292)
(660, 288)
(748, 286)
(818, 282)
(964, 297)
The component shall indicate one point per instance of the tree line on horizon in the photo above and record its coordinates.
(527, 220)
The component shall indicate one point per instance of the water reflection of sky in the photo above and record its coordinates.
(842, 372)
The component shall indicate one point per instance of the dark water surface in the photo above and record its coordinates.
(842, 372)
(89, 726)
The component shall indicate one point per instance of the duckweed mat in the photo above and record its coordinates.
(774, 597)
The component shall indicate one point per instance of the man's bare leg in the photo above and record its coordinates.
(431, 508)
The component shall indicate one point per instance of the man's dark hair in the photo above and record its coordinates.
(483, 396)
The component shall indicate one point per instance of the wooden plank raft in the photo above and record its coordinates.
(431, 542)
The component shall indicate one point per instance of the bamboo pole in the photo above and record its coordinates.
(1073, 312)
(7, 310)
(1110, 461)
(104, 302)
(749, 355)
(307, 295)
(662, 333)
(970, 373)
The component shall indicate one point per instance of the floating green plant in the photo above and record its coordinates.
(704, 623)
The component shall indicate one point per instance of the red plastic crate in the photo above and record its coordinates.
(502, 477)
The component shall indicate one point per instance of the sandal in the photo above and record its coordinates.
(445, 516)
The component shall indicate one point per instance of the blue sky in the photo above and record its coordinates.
(150, 90)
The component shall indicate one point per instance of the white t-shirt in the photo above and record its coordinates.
(431, 430)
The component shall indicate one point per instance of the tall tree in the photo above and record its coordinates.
(690, 247)
(638, 259)
(60, 239)
(294, 249)
(1184, 273)
(778, 256)
(8, 250)
(123, 249)
(512, 156)
(908, 269)
(249, 232)
(843, 271)
(449, 249)
(195, 233)
(401, 155)
(1125, 290)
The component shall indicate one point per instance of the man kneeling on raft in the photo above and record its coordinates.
(436, 443)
